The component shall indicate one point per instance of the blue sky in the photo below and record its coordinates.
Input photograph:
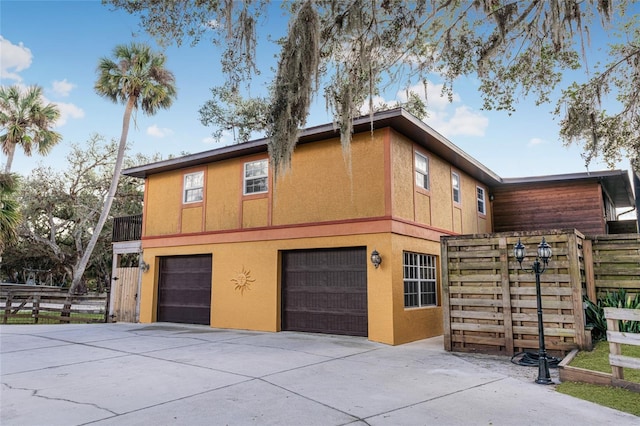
(57, 45)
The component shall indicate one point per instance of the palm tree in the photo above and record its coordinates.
(9, 214)
(137, 78)
(26, 121)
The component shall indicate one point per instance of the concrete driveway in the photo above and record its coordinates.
(157, 374)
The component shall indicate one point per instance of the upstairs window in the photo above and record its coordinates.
(193, 186)
(422, 171)
(455, 184)
(482, 207)
(256, 174)
(419, 280)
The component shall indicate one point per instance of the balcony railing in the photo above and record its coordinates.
(127, 228)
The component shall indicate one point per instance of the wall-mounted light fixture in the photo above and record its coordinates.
(376, 259)
(538, 267)
(144, 266)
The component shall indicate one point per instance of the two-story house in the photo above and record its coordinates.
(230, 247)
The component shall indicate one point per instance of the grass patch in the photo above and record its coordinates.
(598, 360)
(25, 317)
(608, 396)
(616, 398)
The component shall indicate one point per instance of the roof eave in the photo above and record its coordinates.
(398, 119)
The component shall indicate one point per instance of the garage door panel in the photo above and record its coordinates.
(187, 314)
(184, 297)
(354, 302)
(331, 323)
(184, 289)
(187, 282)
(325, 291)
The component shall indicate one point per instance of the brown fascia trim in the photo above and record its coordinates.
(397, 119)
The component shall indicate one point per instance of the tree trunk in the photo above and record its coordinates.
(11, 152)
(84, 261)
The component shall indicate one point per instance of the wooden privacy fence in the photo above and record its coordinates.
(489, 303)
(42, 305)
(612, 262)
(616, 338)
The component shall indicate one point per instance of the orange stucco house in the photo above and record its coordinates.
(230, 248)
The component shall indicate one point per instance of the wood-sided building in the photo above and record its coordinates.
(589, 202)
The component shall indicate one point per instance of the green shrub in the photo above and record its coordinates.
(618, 299)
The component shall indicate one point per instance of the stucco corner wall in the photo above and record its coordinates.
(380, 292)
(411, 324)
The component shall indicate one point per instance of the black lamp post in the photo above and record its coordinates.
(539, 266)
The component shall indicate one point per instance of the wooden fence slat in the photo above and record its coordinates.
(479, 340)
(546, 291)
(622, 314)
(616, 359)
(623, 338)
(587, 252)
(546, 304)
(474, 290)
(489, 328)
(624, 361)
(548, 331)
(446, 321)
(498, 316)
(506, 296)
(581, 339)
(475, 302)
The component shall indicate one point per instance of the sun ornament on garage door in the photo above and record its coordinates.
(243, 280)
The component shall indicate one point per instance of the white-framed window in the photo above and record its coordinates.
(256, 175)
(482, 206)
(455, 184)
(420, 283)
(422, 171)
(193, 187)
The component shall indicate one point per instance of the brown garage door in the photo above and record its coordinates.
(184, 289)
(325, 291)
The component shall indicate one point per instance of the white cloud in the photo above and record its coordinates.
(433, 97)
(536, 141)
(213, 24)
(158, 132)
(13, 59)
(377, 102)
(464, 121)
(62, 88)
(68, 111)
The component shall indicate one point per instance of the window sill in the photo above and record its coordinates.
(416, 308)
(255, 196)
(192, 204)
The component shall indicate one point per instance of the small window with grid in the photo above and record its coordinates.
(193, 187)
(420, 282)
(422, 171)
(455, 183)
(256, 174)
(482, 207)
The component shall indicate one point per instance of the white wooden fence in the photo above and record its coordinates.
(615, 337)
